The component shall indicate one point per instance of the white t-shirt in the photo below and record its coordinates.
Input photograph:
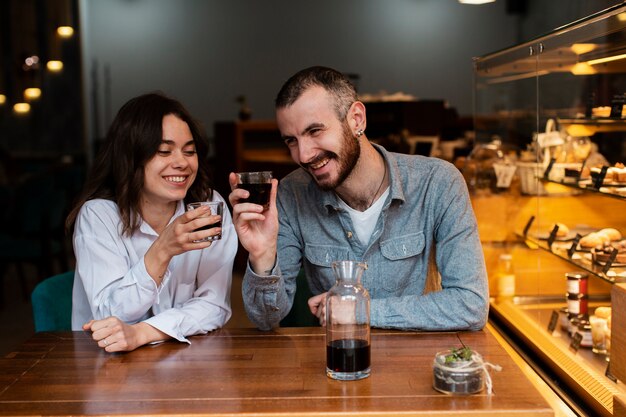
(111, 277)
(365, 221)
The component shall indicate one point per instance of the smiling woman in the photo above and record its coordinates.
(130, 223)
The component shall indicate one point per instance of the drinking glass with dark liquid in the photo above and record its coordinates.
(348, 324)
(258, 184)
(217, 208)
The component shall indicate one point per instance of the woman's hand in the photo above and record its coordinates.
(182, 234)
(113, 335)
(178, 237)
(256, 228)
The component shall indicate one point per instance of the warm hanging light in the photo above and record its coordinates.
(21, 108)
(3, 99)
(54, 66)
(32, 93)
(65, 31)
(583, 48)
(583, 68)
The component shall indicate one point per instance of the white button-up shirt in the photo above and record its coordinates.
(111, 277)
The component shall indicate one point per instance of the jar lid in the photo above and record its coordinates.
(576, 275)
(576, 296)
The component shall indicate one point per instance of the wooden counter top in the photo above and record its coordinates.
(248, 372)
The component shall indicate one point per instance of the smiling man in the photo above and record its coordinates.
(408, 217)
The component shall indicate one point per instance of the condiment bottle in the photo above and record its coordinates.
(506, 276)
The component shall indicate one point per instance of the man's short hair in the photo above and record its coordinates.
(337, 84)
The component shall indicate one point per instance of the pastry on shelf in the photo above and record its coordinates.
(602, 254)
(614, 175)
(601, 111)
(600, 238)
(562, 231)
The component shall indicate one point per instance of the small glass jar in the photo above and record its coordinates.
(576, 283)
(506, 276)
(599, 332)
(578, 304)
(574, 321)
(458, 377)
(584, 328)
(564, 317)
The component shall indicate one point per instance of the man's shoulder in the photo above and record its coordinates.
(424, 164)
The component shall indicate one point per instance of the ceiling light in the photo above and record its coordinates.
(32, 93)
(3, 99)
(583, 48)
(54, 66)
(65, 31)
(21, 108)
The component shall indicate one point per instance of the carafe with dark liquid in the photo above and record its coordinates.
(348, 324)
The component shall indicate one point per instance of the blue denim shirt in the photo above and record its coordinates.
(428, 205)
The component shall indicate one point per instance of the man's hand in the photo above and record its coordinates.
(256, 228)
(317, 305)
(343, 312)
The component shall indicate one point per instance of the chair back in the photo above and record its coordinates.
(300, 315)
(52, 303)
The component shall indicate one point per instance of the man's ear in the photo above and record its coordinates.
(356, 117)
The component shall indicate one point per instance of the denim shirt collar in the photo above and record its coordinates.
(330, 200)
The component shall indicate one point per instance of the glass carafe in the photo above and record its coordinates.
(348, 324)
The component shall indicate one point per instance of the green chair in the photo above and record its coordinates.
(300, 315)
(52, 303)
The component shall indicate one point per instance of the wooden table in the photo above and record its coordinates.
(248, 372)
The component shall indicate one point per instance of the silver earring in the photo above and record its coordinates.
(359, 133)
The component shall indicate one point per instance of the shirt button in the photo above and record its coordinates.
(273, 281)
(349, 234)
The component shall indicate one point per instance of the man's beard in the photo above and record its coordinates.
(346, 160)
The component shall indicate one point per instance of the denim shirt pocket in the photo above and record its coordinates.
(403, 252)
(321, 258)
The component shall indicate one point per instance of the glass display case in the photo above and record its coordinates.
(553, 197)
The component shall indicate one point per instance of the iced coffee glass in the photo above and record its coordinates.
(258, 184)
(217, 208)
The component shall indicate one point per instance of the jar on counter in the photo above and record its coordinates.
(564, 317)
(506, 276)
(577, 283)
(584, 328)
(577, 304)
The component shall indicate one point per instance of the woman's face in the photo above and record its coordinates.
(172, 170)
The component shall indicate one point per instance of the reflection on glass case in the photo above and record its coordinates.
(549, 189)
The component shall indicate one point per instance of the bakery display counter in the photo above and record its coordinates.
(569, 250)
(527, 321)
(613, 190)
(589, 127)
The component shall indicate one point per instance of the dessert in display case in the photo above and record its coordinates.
(552, 203)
